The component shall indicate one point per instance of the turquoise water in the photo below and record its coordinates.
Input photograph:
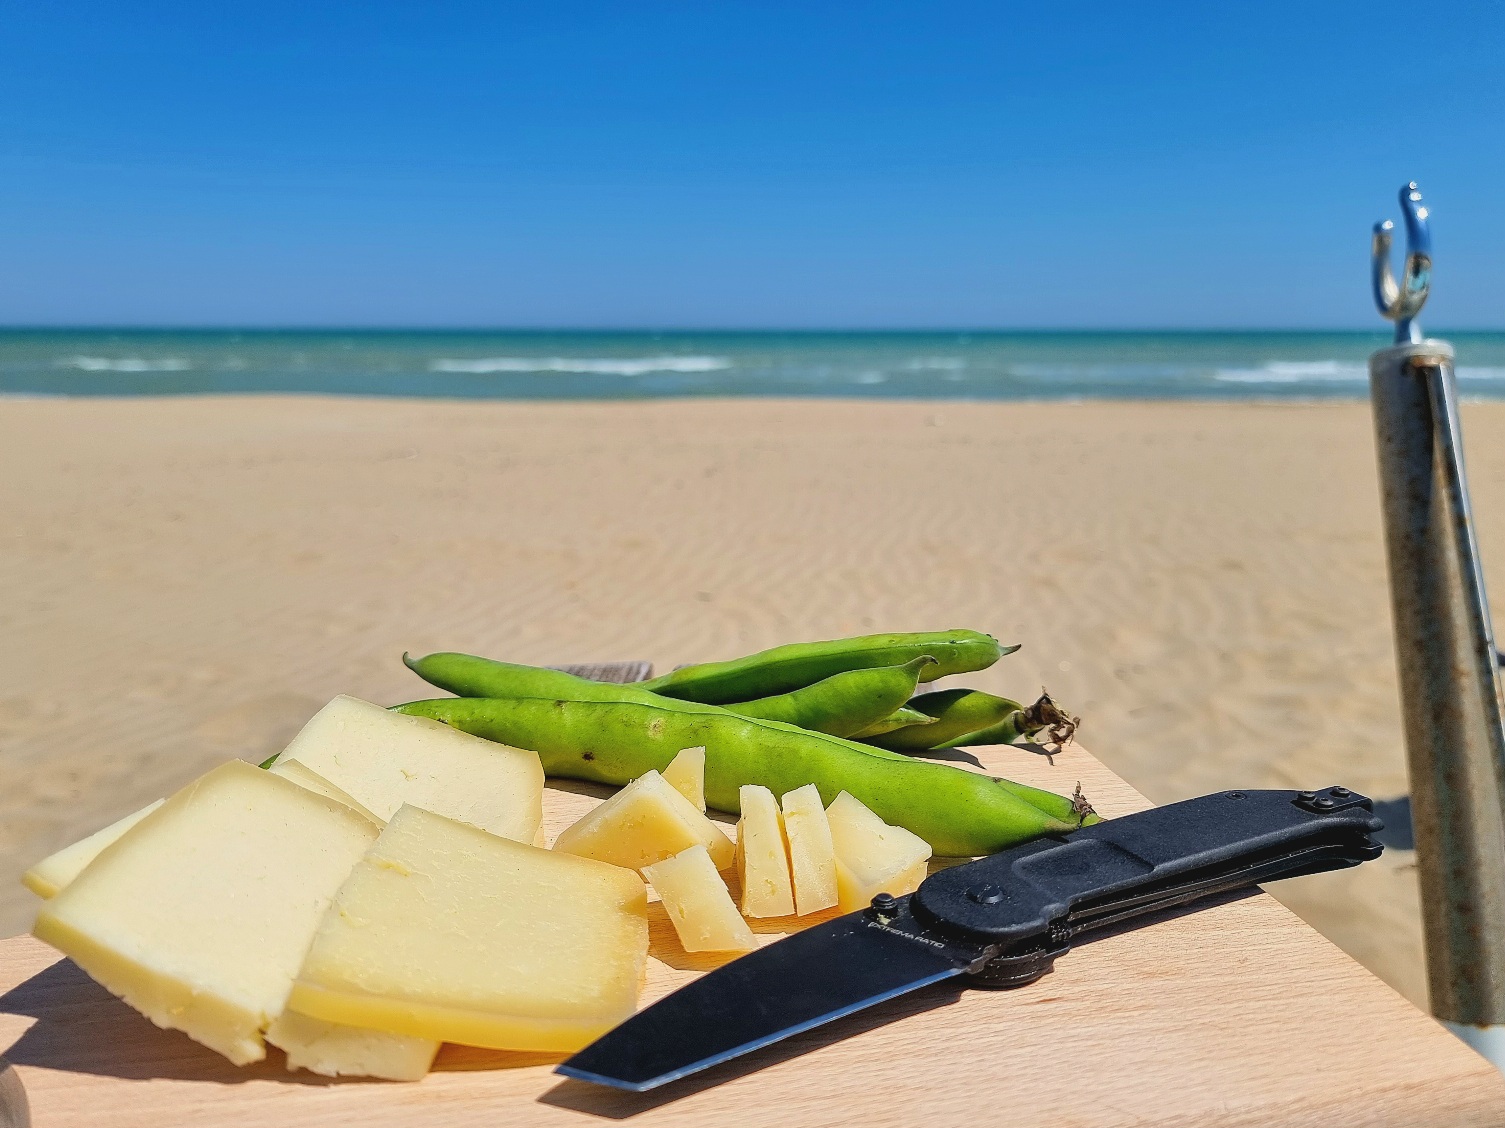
(610, 365)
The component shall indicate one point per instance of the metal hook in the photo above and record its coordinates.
(1401, 304)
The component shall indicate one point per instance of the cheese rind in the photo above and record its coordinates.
(200, 914)
(446, 932)
(812, 857)
(646, 822)
(686, 774)
(763, 855)
(334, 1050)
(697, 902)
(383, 759)
(56, 872)
(872, 857)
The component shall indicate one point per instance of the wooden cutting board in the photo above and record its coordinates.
(1238, 1014)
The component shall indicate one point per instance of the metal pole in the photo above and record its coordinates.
(1455, 739)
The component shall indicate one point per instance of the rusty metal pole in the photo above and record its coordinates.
(1445, 650)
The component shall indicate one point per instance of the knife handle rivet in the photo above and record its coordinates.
(885, 903)
(1324, 802)
(1342, 792)
(1306, 796)
(985, 895)
(1235, 795)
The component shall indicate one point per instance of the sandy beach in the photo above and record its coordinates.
(189, 579)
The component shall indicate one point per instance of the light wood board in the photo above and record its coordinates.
(1237, 1014)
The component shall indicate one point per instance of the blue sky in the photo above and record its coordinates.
(742, 165)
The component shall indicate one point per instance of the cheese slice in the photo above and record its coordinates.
(698, 905)
(448, 933)
(334, 1050)
(763, 856)
(306, 777)
(812, 858)
(56, 872)
(871, 856)
(646, 822)
(383, 759)
(686, 774)
(199, 915)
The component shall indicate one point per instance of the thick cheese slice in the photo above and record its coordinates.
(56, 872)
(449, 933)
(383, 759)
(334, 1050)
(812, 858)
(304, 776)
(686, 774)
(698, 904)
(199, 916)
(646, 822)
(871, 856)
(763, 855)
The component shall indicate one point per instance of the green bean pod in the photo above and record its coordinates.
(1044, 714)
(902, 717)
(960, 813)
(957, 712)
(786, 668)
(842, 704)
(470, 676)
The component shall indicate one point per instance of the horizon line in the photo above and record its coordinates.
(540, 330)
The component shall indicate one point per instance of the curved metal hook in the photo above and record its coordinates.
(1402, 303)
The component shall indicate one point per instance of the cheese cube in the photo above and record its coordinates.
(383, 759)
(646, 822)
(199, 915)
(812, 858)
(686, 774)
(56, 872)
(333, 1050)
(698, 904)
(763, 855)
(871, 856)
(448, 933)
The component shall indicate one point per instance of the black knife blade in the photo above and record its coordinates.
(997, 922)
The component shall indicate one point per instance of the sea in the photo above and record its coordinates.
(565, 365)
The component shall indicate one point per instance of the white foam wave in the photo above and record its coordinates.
(124, 364)
(936, 364)
(606, 366)
(1294, 372)
(1477, 372)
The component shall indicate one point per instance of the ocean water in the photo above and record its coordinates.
(627, 365)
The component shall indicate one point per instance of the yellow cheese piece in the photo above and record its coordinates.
(686, 774)
(56, 872)
(812, 857)
(199, 916)
(646, 822)
(698, 904)
(333, 1050)
(763, 856)
(446, 932)
(383, 760)
(305, 776)
(871, 856)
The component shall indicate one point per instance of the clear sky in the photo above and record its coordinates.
(710, 164)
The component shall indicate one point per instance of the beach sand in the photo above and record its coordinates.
(189, 579)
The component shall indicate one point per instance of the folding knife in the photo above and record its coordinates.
(1000, 921)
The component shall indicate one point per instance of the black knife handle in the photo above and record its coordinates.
(1031, 900)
